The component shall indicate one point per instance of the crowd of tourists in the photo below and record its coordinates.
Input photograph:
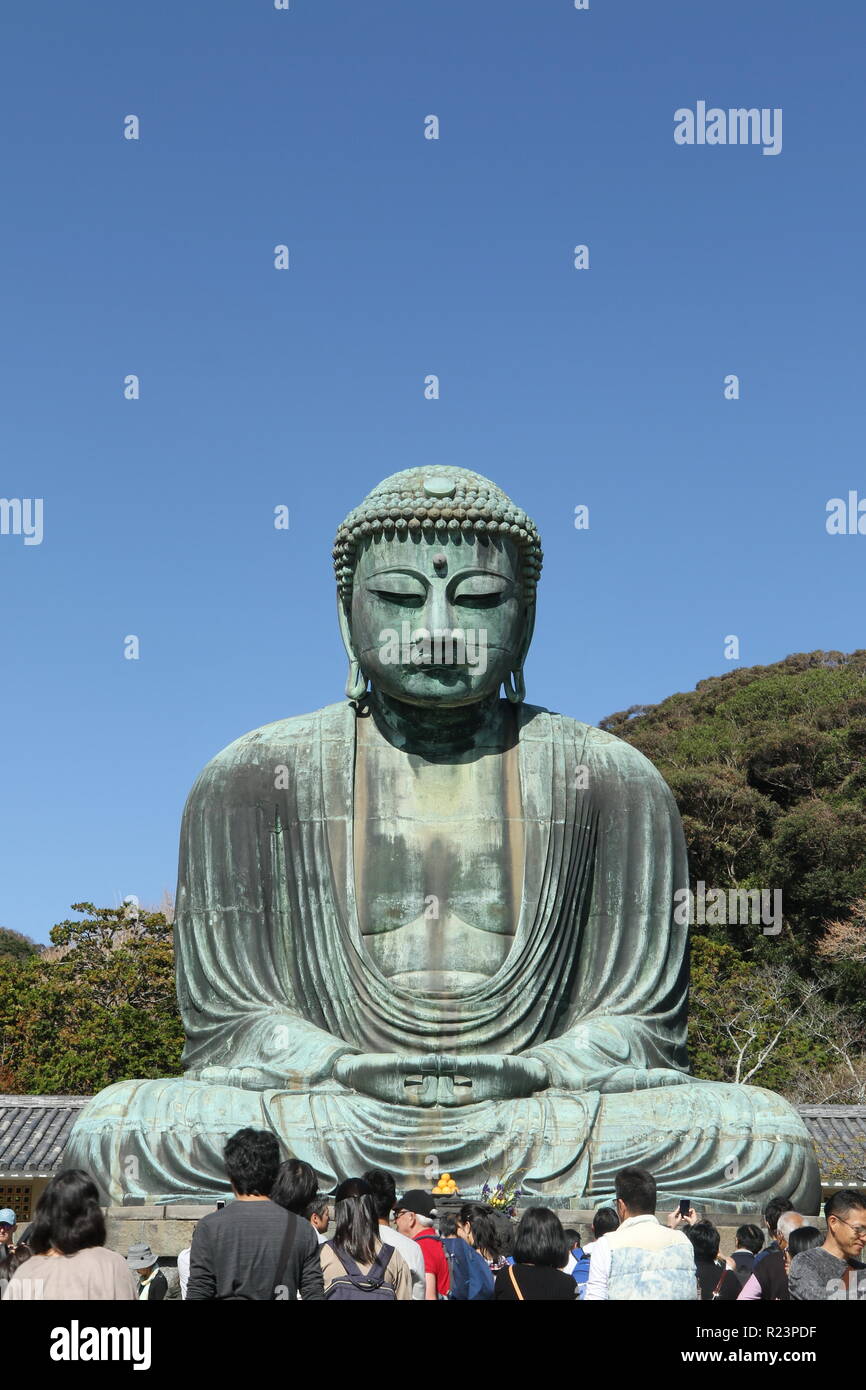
(280, 1238)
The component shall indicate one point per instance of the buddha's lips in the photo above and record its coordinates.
(455, 669)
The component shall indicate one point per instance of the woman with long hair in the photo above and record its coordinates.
(69, 1259)
(477, 1226)
(356, 1264)
(540, 1251)
(473, 1252)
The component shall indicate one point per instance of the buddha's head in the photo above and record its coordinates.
(436, 575)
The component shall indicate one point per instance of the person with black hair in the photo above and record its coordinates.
(69, 1259)
(775, 1208)
(540, 1251)
(473, 1253)
(750, 1243)
(295, 1186)
(16, 1257)
(357, 1264)
(605, 1220)
(253, 1248)
(641, 1259)
(803, 1238)
(318, 1213)
(835, 1269)
(384, 1191)
(504, 1228)
(575, 1251)
(715, 1280)
(477, 1225)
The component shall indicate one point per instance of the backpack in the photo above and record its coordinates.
(580, 1273)
(355, 1285)
(431, 1235)
(471, 1276)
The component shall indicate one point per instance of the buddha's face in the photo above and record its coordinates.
(438, 621)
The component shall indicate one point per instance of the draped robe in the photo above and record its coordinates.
(275, 984)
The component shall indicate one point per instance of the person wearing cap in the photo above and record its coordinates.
(152, 1283)
(8, 1262)
(413, 1217)
(7, 1232)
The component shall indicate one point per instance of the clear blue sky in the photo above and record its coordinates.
(305, 387)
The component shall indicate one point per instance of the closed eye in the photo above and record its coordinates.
(480, 591)
(402, 599)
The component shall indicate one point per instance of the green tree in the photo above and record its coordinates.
(756, 1024)
(100, 1008)
(14, 945)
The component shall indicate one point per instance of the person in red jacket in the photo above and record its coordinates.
(413, 1217)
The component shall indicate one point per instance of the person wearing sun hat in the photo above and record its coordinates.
(152, 1283)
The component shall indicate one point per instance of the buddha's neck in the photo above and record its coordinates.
(433, 730)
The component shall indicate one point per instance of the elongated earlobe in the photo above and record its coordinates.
(515, 686)
(356, 685)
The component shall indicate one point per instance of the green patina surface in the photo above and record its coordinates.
(433, 929)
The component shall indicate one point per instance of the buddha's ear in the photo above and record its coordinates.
(514, 683)
(345, 630)
(529, 629)
(356, 682)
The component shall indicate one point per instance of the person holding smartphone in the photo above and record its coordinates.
(642, 1258)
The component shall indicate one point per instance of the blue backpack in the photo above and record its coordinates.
(471, 1276)
(580, 1273)
(355, 1285)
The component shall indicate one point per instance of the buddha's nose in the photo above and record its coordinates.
(438, 613)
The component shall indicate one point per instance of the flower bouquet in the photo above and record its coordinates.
(502, 1193)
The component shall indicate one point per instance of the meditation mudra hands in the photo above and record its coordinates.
(440, 1079)
(429, 1079)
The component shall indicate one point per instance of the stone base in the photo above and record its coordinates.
(166, 1229)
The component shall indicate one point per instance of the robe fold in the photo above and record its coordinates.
(275, 984)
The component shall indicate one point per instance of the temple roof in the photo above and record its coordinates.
(33, 1133)
(839, 1135)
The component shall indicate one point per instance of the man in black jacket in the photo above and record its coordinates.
(252, 1248)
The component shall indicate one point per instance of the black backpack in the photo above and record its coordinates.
(353, 1284)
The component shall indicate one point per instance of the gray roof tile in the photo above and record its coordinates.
(33, 1132)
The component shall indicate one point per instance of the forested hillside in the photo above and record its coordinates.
(768, 767)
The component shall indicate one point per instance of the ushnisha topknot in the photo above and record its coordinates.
(432, 501)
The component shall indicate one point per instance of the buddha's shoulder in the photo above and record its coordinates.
(589, 741)
(294, 736)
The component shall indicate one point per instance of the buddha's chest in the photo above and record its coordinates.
(438, 861)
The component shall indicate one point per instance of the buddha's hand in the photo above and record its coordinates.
(245, 1078)
(436, 1079)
